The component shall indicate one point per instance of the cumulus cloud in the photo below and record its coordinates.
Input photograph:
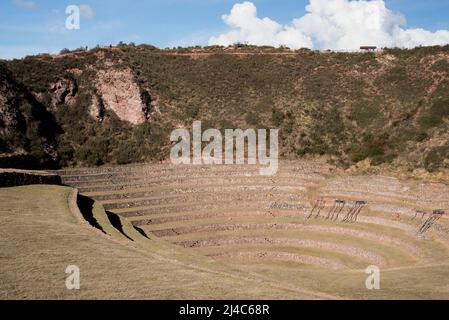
(25, 4)
(86, 11)
(247, 27)
(328, 24)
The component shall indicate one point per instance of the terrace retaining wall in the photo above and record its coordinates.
(14, 178)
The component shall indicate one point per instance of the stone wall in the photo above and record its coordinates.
(13, 178)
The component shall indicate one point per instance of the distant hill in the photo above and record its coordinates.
(119, 105)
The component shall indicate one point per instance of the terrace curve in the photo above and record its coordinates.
(236, 216)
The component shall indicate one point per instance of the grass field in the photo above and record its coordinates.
(194, 232)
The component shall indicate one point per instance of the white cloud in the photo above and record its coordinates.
(25, 4)
(86, 11)
(248, 28)
(328, 24)
(419, 37)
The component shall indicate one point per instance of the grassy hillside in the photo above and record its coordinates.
(390, 107)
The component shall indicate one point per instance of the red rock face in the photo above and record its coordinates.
(121, 95)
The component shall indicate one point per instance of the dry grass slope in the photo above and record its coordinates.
(41, 236)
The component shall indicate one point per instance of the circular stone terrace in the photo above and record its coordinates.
(262, 223)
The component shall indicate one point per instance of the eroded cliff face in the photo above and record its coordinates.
(120, 94)
(64, 91)
(96, 108)
(8, 110)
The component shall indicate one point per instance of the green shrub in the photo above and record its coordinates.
(192, 112)
(435, 158)
(370, 147)
(441, 65)
(277, 117)
(64, 51)
(95, 151)
(252, 119)
(397, 74)
(127, 152)
(435, 115)
(265, 104)
(66, 153)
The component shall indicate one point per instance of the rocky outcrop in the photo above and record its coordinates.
(64, 92)
(96, 108)
(122, 95)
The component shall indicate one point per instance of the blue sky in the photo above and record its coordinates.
(34, 26)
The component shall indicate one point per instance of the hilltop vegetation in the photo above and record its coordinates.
(390, 107)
